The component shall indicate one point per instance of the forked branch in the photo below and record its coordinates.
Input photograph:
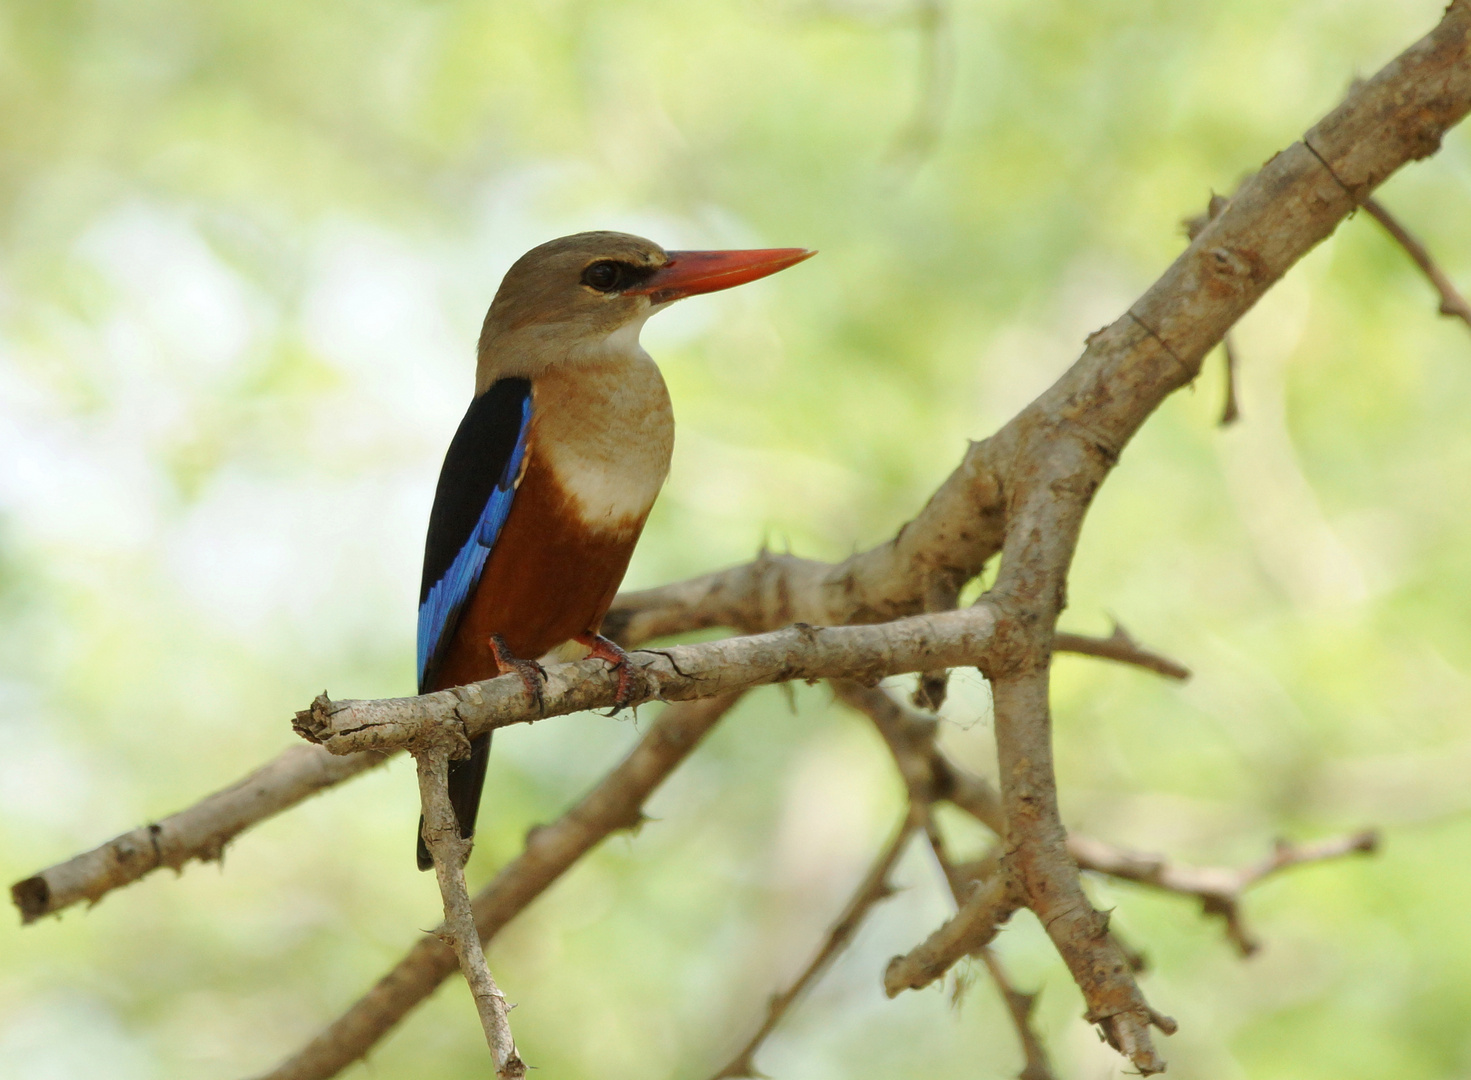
(616, 803)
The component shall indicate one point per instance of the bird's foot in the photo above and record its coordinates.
(532, 674)
(600, 648)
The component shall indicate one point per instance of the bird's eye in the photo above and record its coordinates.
(605, 276)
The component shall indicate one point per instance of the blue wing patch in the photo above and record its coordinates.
(476, 488)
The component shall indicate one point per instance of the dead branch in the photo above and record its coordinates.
(1452, 303)
(616, 803)
(1218, 889)
(1070, 438)
(203, 830)
(989, 905)
(678, 673)
(451, 851)
(200, 832)
(874, 888)
(929, 776)
(946, 545)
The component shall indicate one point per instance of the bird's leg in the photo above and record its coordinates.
(601, 648)
(532, 674)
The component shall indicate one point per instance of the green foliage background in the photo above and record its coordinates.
(244, 251)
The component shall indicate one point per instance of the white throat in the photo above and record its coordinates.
(605, 427)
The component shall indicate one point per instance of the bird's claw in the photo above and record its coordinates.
(533, 675)
(600, 648)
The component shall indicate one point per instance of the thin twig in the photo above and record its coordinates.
(1218, 889)
(1020, 1005)
(874, 888)
(1452, 303)
(1119, 646)
(551, 850)
(450, 850)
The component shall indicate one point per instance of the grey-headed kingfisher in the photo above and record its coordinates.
(554, 468)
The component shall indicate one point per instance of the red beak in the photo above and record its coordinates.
(688, 273)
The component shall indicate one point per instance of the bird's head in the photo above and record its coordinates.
(586, 296)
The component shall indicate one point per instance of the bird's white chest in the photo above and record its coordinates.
(606, 432)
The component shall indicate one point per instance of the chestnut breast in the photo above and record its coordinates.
(597, 453)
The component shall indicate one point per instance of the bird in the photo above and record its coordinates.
(552, 471)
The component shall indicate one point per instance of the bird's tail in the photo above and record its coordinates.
(466, 782)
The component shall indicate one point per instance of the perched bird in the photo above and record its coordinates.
(555, 466)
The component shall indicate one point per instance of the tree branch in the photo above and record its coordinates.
(200, 832)
(203, 830)
(1025, 492)
(1070, 438)
(929, 775)
(946, 545)
(615, 803)
(681, 672)
(451, 851)
(1019, 1005)
(989, 905)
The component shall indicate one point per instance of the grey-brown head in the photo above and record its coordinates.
(586, 296)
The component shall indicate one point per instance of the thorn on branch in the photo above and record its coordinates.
(1230, 412)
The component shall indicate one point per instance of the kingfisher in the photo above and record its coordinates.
(555, 466)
